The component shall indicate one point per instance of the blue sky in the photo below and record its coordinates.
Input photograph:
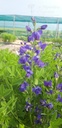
(32, 7)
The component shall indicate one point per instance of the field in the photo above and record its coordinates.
(31, 82)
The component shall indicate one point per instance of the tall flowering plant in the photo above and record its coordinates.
(39, 93)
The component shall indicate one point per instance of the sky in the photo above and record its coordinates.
(46, 8)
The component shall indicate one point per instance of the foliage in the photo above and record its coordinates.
(1, 31)
(54, 40)
(23, 38)
(31, 85)
(8, 37)
(10, 78)
(42, 86)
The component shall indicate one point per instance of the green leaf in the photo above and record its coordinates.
(4, 92)
(56, 123)
(36, 82)
(54, 116)
(21, 126)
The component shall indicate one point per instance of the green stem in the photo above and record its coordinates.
(16, 117)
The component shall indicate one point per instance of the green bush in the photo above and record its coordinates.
(1, 31)
(8, 37)
(59, 40)
(54, 40)
(12, 101)
(23, 38)
(10, 79)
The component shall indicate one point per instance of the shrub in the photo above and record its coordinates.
(54, 40)
(23, 38)
(10, 78)
(8, 37)
(59, 40)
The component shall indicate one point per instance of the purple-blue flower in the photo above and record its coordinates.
(39, 116)
(56, 56)
(40, 43)
(28, 28)
(59, 87)
(38, 119)
(28, 47)
(48, 83)
(40, 31)
(56, 75)
(37, 90)
(37, 51)
(28, 106)
(26, 67)
(43, 102)
(42, 46)
(28, 70)
(27, 56)
(58, 115)
(43, 27)
(59, 98)
(49, 105)
(29, 73)
(25, 43)
(23, 60)
(36, 35)
(35, 58)
(37, 110)
(30, 38)
(23, 86)
(22, 50)
(40, 63)
(50, 92)
(30, 61)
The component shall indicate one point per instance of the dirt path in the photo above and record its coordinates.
(14, 46)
